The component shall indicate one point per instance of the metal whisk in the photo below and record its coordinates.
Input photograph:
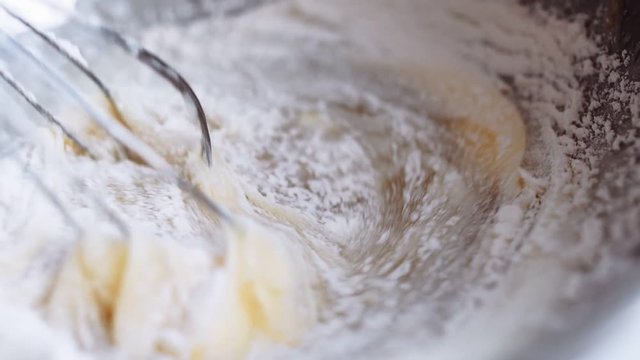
(109, 119)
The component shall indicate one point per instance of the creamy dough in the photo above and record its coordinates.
(137, 294)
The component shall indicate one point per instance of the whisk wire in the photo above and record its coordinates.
(116, 220)
(40, 109)
(116, 130)
(74, 60)
(155, 63)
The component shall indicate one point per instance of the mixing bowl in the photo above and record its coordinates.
(542, 265)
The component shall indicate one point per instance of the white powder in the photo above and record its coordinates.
(375, 137)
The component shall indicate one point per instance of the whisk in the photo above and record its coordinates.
(109, 119)
(262, 285)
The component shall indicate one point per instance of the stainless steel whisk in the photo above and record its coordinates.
(110, 121)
